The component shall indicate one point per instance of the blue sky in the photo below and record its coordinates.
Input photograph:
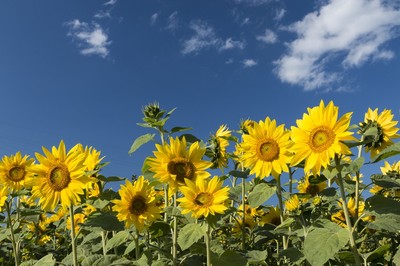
(82, 70)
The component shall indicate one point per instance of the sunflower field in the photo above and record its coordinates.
(262, 194)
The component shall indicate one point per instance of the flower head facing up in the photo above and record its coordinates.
(265, 149)
(60, 177)
(15, 170)
(173, 163)
(319, 136)
(219, 143)
(138, 205)
(204, 197)
(313, 188)
(385, 128)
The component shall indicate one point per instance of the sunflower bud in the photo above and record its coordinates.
(153, 111)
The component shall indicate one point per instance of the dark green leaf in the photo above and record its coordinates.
(107, 221)
(117, 240)
(390, 151)
(240, 174)
(110, 178)
(180, 129)
(260, 194)
(230, 258)
(46, 261)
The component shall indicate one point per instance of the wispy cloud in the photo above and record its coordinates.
(280, 13)
(103, 14)
(172, 21)
(204, 37)
(249, 63)
(153, 18)
(268, 37)
(110, 3)
(92, 39)
(353, 31)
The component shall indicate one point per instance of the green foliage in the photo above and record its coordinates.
(189, 234)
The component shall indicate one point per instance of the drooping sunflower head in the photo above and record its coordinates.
(79, 218)
(173, 163)
(312, 185)
(219, 142)
(384, 127)
(272, 216)
(265, 150)
(60, 177)
(138, 204)
(204, 197)
(15, 170)
(319, 136)
(293, 203)
(339, 216)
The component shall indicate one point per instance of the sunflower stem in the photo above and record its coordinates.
(357, 189)
(137, 248)
(207, 240)
(279, 194)
(10, 225)
(244, 215)
(103, 241)
(290, 180)
(346, 212)
(175, 236)
(166, 203)
(73, 238)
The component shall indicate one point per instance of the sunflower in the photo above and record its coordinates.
(4, 191)
(252, 212)
(385, 127)
(312, 188)
(138, 204)
(248, 223)
(392, 171)
(173, 163)
(14, 170)
(204, 197)
(246, 125)
(79, 218)
(339, 216)
(319, 136)
(220, 142)
(265, 149)
(293, 203)
(273, 216)
(60, 177)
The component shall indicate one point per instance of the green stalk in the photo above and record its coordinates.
(279, 194)
(175, 237)
(166, 202)
(207, 240)
(73, 238)
(10, 225)
(357, 192)
(103, 241)
(290, 180)
(137, 247)
(346, 212)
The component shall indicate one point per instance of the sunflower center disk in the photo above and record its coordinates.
(268, 150)
(321, 138)
(138, 205)
(59, 177)
(204, 199)
(16, 174)
(182, 169)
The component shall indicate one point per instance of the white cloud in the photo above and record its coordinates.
(279, 14)
(92, 39)
(245, 21)
(205, 37)
(172, 22)
(355, 29)
(111, 3)
(103, 14)
(153, 18)
(229, 61)
(249, 63)
(268, 37)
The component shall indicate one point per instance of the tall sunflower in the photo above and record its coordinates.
(60, 177)
(265, 149)
(385, 127)
(14, 170)
(173, 163)
(220, 142)
(138, 204)
(319, 136)
(204, 197)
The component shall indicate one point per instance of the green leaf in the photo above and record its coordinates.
(230, 258)
(396, 258)
(379, 252)
(46, 261)
(130, 248)
(382, 205)
(139, 141)
(256, 256)
(293, 255)
(240, 174)
(180, 129)
(107, 221)
(321, 244)
(260, 194)
(355, 166)
(100, 204)
(390, 151)
(190, 234)
(110, 178)
(190, 138)
(89, 261)
(117, 240)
